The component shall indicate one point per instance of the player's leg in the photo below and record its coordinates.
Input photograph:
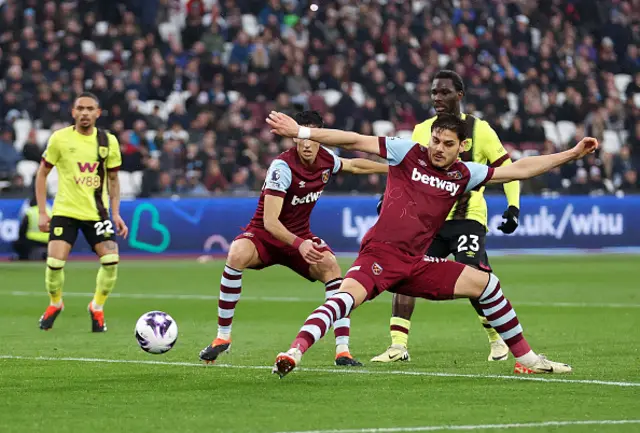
(484, 287)
(62, 235)
(441, 279)
(469, 249)
(376, 269)
(402, 310)
(351, 294)
(243, 254)
(399, 326)
(328, 271)
(107, 252)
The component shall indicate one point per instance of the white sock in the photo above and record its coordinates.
(224, 335)
(56, 304)
(528, 359)
(296, 353)
(341, 348)
(96, 307)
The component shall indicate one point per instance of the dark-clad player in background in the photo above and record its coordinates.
(87, 160)
(422, 186)
(464, 233)
(279, 232)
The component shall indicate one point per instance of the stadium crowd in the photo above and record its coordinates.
(186, 85)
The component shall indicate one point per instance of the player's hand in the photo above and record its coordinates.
(309, 252)
(586, 146)
(510, 223)
(43, 222)
(282, 124)
(121, 227)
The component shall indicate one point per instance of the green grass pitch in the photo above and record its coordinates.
(581, 310)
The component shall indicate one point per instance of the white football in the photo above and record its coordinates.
(156, 332)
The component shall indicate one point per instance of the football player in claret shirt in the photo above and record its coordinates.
(464, 233)
(422, 186)
(279, 232)
(87, 160)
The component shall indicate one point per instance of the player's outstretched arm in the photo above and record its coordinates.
(285, 126)
(41, 196)
(363, 166)
(114, 196)
(532, 166)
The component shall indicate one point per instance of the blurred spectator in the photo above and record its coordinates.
(516, 134)
(619, 165)
(151, 178)
(214, 180)
(297, 84)
(240, 182)
(16, 188)
(630, 183)
(580, 183)
(131, 155)
(634, 139)
(9, 157)
(31, 150)
(552, 181)
(634, 85)
(194, 187)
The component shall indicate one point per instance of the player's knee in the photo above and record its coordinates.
(485, 281)
(54, 275)
(55, 264)
(110, 260)
(471, 283)
(328, 268)
(356, 290)
(240, 255)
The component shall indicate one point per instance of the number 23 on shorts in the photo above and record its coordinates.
(468, 242)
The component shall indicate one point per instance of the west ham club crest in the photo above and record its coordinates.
(326, 175)
(376, 269)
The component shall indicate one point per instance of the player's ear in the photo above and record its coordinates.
(99, 111)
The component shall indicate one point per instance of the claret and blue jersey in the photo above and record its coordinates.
(300, 186)
(419, 196)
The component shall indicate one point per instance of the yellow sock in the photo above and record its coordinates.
(400, 331)
(54, 280)
(106, 279)
(491, 333)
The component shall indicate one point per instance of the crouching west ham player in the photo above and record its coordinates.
(279, 232)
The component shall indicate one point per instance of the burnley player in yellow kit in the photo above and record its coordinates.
(87, 160)
(463, 235)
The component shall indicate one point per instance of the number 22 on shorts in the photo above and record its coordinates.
(104, 228)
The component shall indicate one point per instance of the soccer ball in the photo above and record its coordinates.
(156, 332)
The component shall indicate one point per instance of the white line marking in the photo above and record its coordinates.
(173, 296)
(575, 304)
(331, 370)
(299, 299)
(477, 426)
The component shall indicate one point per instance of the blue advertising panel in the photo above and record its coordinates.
(193, 226)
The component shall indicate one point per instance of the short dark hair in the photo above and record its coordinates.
(447, 74)
(87, 95)
(450, 122)
(309, 118)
